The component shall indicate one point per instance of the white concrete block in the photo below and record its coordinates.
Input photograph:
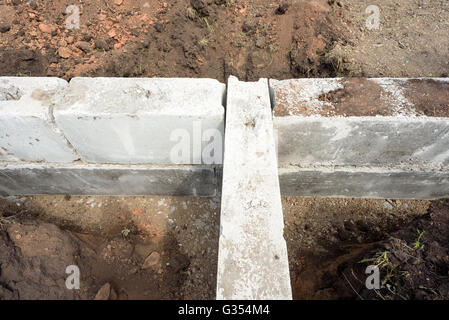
(362, 122)
(143, 121)
(27, 130)
(252, 261)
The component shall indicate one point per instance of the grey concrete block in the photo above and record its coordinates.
(81, 179)
(27, 130)
(142, 121)
(375, 183)
(364, 141)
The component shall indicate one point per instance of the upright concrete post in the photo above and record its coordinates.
(252, 260)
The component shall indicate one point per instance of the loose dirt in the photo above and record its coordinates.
(216, 38)
(112, 240)
(413, 260)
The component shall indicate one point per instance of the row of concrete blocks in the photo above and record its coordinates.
(335, 137)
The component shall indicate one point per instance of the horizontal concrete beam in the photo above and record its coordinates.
(82, 179)
(27, 129)
(142, 121)
(252, 259)
(362, 122)
(374, 183)
(20, 179)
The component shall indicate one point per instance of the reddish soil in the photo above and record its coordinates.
(360, 97)
(34, 256)
(143, 247)
(198, 38)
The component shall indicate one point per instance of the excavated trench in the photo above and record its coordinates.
(167, 247)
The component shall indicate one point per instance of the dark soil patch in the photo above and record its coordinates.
(317, 29)
(430, 97)
(413, 263)
(22, 62)
(359, 97)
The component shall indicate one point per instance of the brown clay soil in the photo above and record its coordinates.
(143, 247)
(216, 38)
(166, 248)
(154, 38)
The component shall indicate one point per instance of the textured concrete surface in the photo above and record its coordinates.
(374, 183)
(27, 130)
(81, 179)
(363, 141)
(252, 260)
(143, 121)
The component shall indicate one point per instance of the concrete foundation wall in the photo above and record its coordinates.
(368, 122)
(252, 259)
(82, 179)
(369, 138)
(372, 183)
(336, 137)
(364, 141)
(156, 131)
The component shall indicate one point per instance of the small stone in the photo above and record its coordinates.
(112, 33)
(101, 45)
(70, 39)
(118, 2)
(104, 292)
(387, 205)
(200, 6)
(151, 260)
(83, 45)
(64, 52)
(249, 27)
(45, 28)
(146, 43)
(4, 28)
(260, 42)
